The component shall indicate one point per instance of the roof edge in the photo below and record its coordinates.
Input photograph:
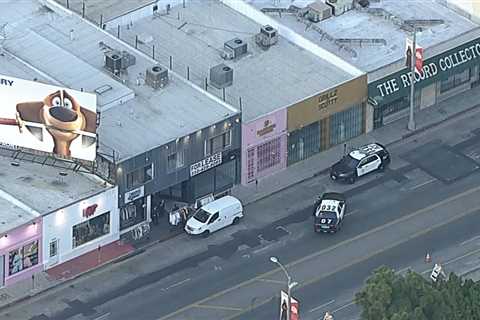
(292, 36)
(8, 197)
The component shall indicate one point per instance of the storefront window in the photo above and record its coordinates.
(23, 258)
(91, 229)
(225, 175)
(132, 213)
(304, 143)
(346, 125)
(218, 143)
(139, 176)
(204, 183)
(175, 160)
(268, 154)
(455, 80)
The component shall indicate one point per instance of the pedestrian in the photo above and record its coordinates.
(155, 214)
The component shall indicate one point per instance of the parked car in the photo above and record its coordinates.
(214, 216)
(328, 212)
(364, 160)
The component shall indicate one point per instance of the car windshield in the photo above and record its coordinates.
(201, 215)
(350, 162)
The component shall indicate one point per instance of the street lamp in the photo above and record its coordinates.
(290, 284)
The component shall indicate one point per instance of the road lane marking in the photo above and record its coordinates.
(321, 306)
(272, 281)
(454, 260)
(351, 212)
(344, 306)
(206, 306)
(334, 247)
(470, 240)
(177, 284)
(104, 316)
(422, 184)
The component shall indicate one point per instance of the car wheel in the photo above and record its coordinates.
(351, 180)
(381, 168)
(235, 220)
(205, 233)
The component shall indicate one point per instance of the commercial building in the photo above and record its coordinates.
(294, 103)
(373, 38)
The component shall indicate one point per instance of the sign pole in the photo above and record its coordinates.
(411, 120)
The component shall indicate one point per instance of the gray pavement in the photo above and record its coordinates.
(285, 206)
(184, 271)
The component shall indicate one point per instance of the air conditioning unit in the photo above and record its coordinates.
(234, 49)
(221, 76)
(113, 61)
(127, 60)
(318, 11)
(156, 77)
(267, 37)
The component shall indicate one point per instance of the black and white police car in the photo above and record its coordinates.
(368, 158)
(328, 212)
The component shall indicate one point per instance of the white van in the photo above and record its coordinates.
(214, 216)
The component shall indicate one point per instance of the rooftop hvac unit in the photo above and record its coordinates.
(267, 37)
(318, 11)
(234, 49)
(156, 77)
(221, 76)
(127, 60)
(113, 61)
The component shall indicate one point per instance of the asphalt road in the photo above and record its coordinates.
(383, 212)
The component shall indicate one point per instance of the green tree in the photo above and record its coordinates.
(388, 296)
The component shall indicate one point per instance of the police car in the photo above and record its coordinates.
(328, 212)
(368, 158)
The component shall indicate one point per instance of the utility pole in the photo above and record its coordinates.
(411, 120)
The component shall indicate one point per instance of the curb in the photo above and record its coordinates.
(143, 248)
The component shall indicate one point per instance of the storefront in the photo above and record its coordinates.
(21, 252)
(264, 146)
(443, 76)
(80, 228)
(326, 119)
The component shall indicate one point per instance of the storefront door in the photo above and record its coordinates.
(53, 251)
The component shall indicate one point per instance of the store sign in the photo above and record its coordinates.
(396, 85)
(327, 99)
(268, 127)
(205, 164)
(89, 211)
(134, 194)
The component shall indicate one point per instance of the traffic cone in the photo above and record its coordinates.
(428, 258)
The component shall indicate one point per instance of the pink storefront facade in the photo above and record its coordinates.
(264, 146)
(21, 253)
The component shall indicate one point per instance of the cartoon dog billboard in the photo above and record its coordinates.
(48, 118)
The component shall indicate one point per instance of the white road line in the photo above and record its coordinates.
(351, 212)
(470, 240)
(455, 259)
(177, 284)
(344, 307)
(321, 306)
(272, 281)
(422, 184)
(404, 269)
(104, 316)
(264, 248)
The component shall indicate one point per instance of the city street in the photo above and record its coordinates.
(426, 201)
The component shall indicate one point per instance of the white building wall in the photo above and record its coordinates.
(59, 225)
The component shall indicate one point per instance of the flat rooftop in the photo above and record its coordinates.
(130, 110)
(381, 21)
(264, 80)
(30, 189)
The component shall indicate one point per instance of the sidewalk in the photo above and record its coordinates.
(250, 195)
(386, 135)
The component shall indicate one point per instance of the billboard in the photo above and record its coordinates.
(48, 118)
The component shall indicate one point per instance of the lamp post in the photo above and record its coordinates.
(411, 120)
(290, 284)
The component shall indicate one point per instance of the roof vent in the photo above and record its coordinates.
(156, 77)
(267, 37)
(221, 76)
(118, 61)
(234, 49)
